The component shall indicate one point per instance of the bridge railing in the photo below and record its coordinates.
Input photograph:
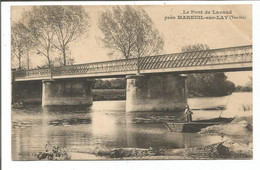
(35, 73)
(173, 60)
(198, 58)
(99, 67)
(231, 55)
(187, 59)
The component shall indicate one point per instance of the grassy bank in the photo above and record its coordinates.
(237, 145)
(240, 127)
(221, 150)
(108, 94)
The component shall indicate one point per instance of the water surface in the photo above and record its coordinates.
(103, 125)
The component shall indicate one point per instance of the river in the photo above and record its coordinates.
(105, 124)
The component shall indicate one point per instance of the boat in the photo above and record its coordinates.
(195, 126)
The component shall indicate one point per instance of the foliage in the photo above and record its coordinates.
(53, 153)
(250, 83)
(46, 28)
(20, 41)
(195, 47)
(243, 89)
(130, 152)
(39, 25)
(247, 88)
(108, 94)
(130, 31)
(207, 84)
(68, 23)
(59, 61)
(112, 89)
(119, 83)
(216, 151)
(102, 84)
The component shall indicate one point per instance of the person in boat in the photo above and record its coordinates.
(188, 113)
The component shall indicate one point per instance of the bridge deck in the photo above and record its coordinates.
(225, 59)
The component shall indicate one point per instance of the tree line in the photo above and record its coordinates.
(248, 87)
(118, 83)
(207, 84)
(49, 30)
(203, 84)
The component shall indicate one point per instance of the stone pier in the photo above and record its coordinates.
(156, 92)
(66, 92)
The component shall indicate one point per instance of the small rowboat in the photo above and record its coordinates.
(195, 126)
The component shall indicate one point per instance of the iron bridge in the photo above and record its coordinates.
(225, 59)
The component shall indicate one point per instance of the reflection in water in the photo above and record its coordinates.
(67, 122)
(103, 125)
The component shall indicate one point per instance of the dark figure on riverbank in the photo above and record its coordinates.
(188, 114)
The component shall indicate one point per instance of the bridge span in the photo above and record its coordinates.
(157, 86)
(225, 59)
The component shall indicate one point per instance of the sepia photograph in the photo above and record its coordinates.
(131, 82)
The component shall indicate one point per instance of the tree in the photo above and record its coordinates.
(195, 47)
(102, 84)
(118, 83)
(246, 88)
(207, 84)
(54, 27)
(130, 31)
(230, 86)
(39, 24)
(250, 83)
(20, 41)
(68, 24)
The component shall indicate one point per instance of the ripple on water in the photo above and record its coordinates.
(103, 125)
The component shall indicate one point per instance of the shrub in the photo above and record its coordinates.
(53, 153)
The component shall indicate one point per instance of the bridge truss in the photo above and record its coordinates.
(225, 59)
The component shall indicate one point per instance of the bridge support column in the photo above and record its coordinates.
(164, 92)
(66, 92)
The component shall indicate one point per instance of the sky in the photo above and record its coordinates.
(176, 33)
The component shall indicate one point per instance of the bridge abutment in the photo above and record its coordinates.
(157, 92)
(67, 92)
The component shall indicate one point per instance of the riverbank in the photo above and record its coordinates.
(222, 150)
(108, 94)
(237, 143)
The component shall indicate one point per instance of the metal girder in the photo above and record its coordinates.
(236, 58)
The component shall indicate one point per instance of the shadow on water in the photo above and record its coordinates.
(32, 115)
(73, 121)
(67, 109)
(67, 115)
(36, 108)
(154, 117)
